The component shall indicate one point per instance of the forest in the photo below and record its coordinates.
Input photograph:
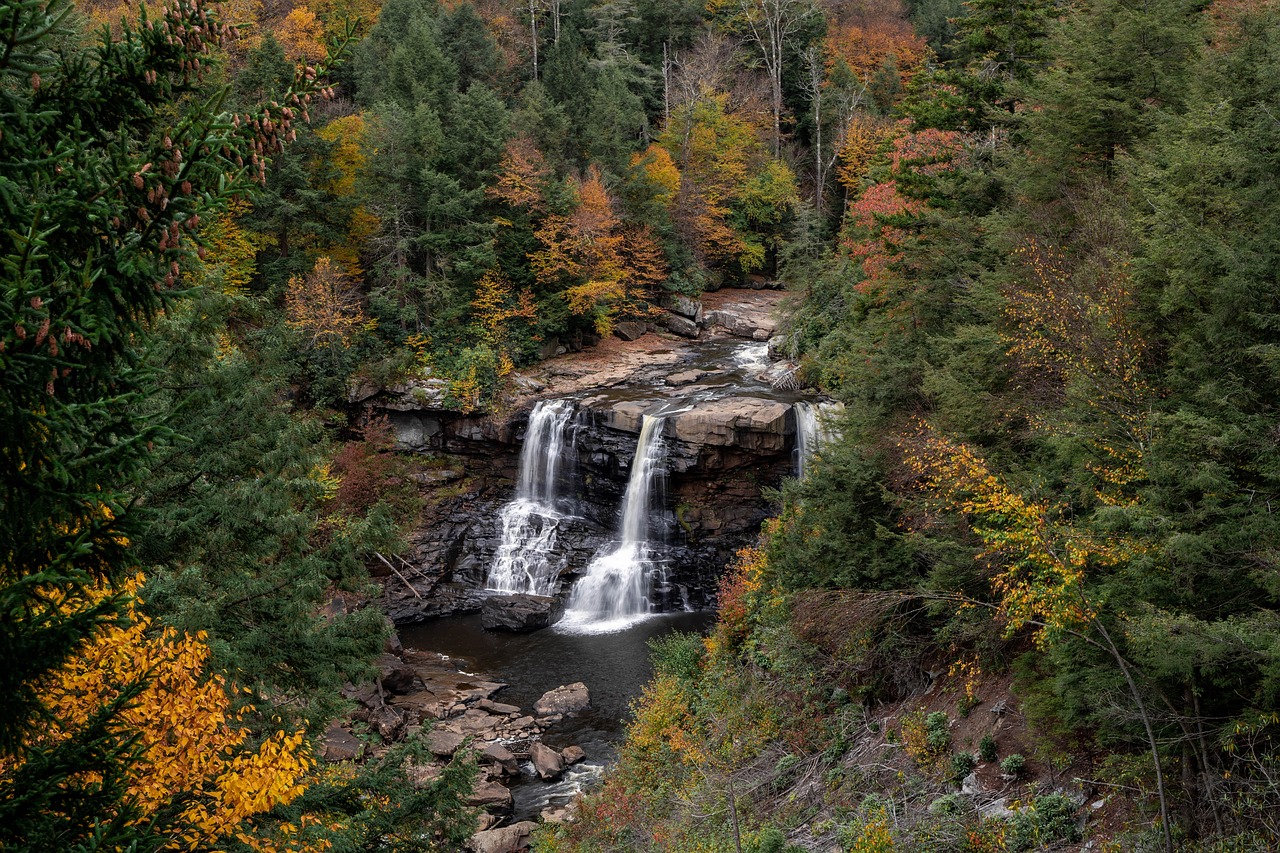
(1030, 246)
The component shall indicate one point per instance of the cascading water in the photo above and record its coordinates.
(523, 562)
(614, 592)
(812, 431)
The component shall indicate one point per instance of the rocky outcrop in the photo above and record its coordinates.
(682, 305)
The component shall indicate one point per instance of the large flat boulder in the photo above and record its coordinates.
(519, 613)
(502, 758)
(741, 323)
(492, 796)
(750, 423)
(628, 330)
(563, 700)
(341, 745)
(444, 743)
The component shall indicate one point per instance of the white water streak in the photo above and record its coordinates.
(614, 592)
(522, 563)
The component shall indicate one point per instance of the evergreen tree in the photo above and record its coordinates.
(109, 156)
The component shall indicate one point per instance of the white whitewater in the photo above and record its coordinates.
(813, 429)
(614, 592)
(522, 563)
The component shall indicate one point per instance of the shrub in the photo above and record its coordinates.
(948, 804)
(1047, 820)
(925, 738)
(962, 764)
(678, 654)
(987, 749)
(770, 840)
(937, 734)
(1013, 764)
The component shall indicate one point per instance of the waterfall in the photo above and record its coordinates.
(529, 522)
(812, 431)
(614, 592)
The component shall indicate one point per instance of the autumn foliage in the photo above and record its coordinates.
(324, 306)
(195, 756)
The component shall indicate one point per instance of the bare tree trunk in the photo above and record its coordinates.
(813, 58)
(533, 26)
(666, 85)
(1151, 735)
(733, 813)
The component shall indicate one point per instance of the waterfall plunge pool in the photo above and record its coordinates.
(614, 667)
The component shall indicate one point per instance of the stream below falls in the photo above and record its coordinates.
(614, 667)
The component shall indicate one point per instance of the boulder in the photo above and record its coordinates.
(502, 758)
(398, 679)
(390, 722)
(492, 796)
(628, 330)
(572, 755)
(546, 761)
(682, 326)
(444, 743)
(563, 700)
(341, 745)
(519, 613)
(477, 722)
(742, 323)
(682, 305)
(504, 839)
(685, 377)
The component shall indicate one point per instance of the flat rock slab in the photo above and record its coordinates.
(497, 707)
(444, 743)
(564, 700)
(751, 423)
(492, 796)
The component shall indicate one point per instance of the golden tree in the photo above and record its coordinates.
(195, 758)
(302, 36)
(324, 306)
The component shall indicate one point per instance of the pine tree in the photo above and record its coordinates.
(110, 156)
